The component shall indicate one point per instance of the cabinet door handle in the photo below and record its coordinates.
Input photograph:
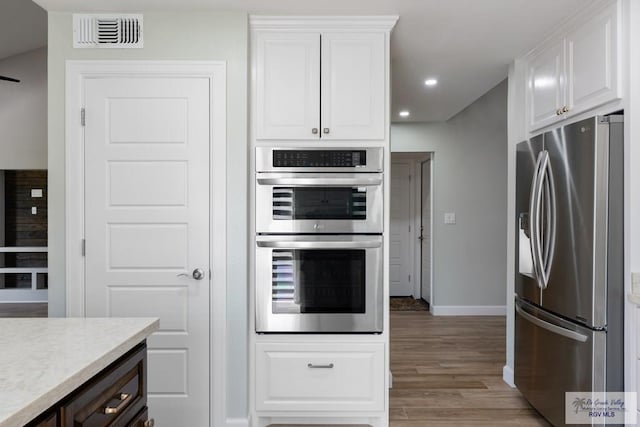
(325, 130)
(124, 399)
(312, 366)
(565, 109)
(314, 131)
(558, 111)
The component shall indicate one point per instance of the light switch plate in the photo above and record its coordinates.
(36, 192)
(450, 218)
(34, 210)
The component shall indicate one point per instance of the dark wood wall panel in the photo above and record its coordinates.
(22, 228)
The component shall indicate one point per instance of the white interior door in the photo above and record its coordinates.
(147, 228)
(400, 255)
(425, 220)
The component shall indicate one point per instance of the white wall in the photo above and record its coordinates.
(196, 35)
(470, 179)
(23, 111)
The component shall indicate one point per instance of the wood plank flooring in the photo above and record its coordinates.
(448, 371)
(24, 310)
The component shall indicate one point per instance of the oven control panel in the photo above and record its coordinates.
(319, 158)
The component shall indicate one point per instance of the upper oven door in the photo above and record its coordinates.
(319, 203)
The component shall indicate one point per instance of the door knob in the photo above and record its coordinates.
(198, 274)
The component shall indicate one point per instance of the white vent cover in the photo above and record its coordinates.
(107, 30)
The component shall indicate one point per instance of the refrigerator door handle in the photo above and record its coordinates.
(549, 235)
(535, 206)
(576, 336)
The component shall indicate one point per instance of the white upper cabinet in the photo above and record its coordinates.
(320, 79)
(546, 85)
(288, 83)
(577, 70)
(353, 86)
(592, 73)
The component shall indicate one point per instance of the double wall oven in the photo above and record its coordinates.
(319, 222)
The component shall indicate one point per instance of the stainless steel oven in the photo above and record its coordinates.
(310, 190)
(319, 284)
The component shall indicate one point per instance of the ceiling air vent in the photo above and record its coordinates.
(107, 31)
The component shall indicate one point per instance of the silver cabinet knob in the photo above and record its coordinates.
(325, 130)
(314, 131)
(198, 274)
(149, 423)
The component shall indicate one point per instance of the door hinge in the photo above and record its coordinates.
(210, 274)
(409, 278)
(409, 229)
(84, 247)
(82, 116)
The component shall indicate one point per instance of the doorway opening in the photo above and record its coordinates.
(411, 246)
(23, 243)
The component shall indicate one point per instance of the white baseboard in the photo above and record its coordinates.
(237, 422)
(507, 376)
(469, 310)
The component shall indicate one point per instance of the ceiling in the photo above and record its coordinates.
(465, 44)
(23, 27)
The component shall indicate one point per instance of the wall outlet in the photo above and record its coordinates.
(36, 192)
(450, 218)
(34, 210)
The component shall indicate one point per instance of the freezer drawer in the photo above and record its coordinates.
(554, 356)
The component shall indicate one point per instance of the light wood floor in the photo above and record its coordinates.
(23, 310)
(448, 371)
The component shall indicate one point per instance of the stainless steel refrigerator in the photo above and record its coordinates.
(569, 263)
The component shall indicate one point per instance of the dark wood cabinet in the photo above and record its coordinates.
(116, 397)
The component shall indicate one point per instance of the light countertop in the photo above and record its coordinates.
(43, 360)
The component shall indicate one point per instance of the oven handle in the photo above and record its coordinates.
(320, 245)
(322, 182)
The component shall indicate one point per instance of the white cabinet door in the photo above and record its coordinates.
(353, 89)
(287, 85)
(320, 377)
(546, 86)
(592, 74)
(147, 227)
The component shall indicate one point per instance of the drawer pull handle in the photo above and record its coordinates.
(124, 399)
(312, 366)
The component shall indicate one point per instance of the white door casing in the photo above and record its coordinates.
(425, 253)
(155, 189)
(400, 265)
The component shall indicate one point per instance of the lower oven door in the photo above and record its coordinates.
(319, 284)
(319, 203)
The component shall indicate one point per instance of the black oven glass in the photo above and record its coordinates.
(292, 203)
(318, 281)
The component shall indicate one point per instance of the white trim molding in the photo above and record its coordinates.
(507, 376)
(322, 23)
(77, 71)
(237, 422)
(469, 310)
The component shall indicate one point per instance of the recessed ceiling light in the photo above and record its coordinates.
(431, 82)
(404, 113)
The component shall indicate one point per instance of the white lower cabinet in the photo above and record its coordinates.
(320, 377)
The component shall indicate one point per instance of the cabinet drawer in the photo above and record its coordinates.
(112, 398)
(327, 376)
(49, 419)
(142, 419)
